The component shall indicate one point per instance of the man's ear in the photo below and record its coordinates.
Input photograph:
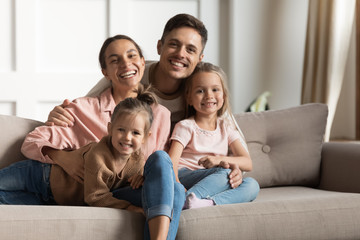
(201, 57)
(109, 128)
(159, 46)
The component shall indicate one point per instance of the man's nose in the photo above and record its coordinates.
(181, 51)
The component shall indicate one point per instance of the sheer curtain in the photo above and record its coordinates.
(327, 45)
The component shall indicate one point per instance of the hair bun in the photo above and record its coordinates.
(145, 94)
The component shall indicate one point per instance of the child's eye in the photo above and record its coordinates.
(136, 133)
(199, 91)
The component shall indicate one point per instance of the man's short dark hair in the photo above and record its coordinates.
(186, 20)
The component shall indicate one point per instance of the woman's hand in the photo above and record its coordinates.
(136, 209)
(136, 181)
(209, 161)
(60, 117)
(75, 168)
(235, 176)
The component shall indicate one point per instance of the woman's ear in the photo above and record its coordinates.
(104, 72)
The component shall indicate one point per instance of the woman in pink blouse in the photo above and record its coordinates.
(123, 64)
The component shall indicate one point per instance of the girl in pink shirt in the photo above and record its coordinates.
(200, 142)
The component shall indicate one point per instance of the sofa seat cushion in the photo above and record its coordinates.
(278, 213)
(285, 145)
(64, 222)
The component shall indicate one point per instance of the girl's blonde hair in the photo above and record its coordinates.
(207, 67)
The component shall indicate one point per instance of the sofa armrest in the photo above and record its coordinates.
(340, 167)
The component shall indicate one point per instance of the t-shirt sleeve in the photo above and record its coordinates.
(182, 132)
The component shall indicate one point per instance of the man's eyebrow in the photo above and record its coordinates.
(176, 40)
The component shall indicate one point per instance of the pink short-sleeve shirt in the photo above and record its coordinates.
(199, 143)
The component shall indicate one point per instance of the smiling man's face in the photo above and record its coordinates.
(180, 52)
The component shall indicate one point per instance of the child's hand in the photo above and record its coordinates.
(136, 181)
(209, 161)
(136, 209)
(235, 176)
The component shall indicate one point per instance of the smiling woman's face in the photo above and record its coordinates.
(124, 65)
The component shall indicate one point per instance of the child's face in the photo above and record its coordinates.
(127, 133)
(206, 95)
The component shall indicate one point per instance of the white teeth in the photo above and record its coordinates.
(209, 104)
(128, 74)
(125, 145)
(177, 64)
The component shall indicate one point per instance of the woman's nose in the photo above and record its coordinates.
(123, 62)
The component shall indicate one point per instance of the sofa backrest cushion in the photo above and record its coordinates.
(13, 132)
(285, 145)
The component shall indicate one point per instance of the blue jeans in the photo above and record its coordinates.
(213, 183)
(160, 194)
(26, 183)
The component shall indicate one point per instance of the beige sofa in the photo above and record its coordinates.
(309, 189)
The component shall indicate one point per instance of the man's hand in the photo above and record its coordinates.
(136, 181)
(60, 117)
(235, 177)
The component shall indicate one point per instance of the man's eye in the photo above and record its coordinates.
(136, 133)
(121, 129)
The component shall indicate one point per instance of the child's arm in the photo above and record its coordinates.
(175, 152)
(240, 157)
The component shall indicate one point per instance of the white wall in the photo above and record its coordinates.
(268, 41)
(49, 48)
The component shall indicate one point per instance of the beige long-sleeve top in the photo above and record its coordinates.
(99, 177)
